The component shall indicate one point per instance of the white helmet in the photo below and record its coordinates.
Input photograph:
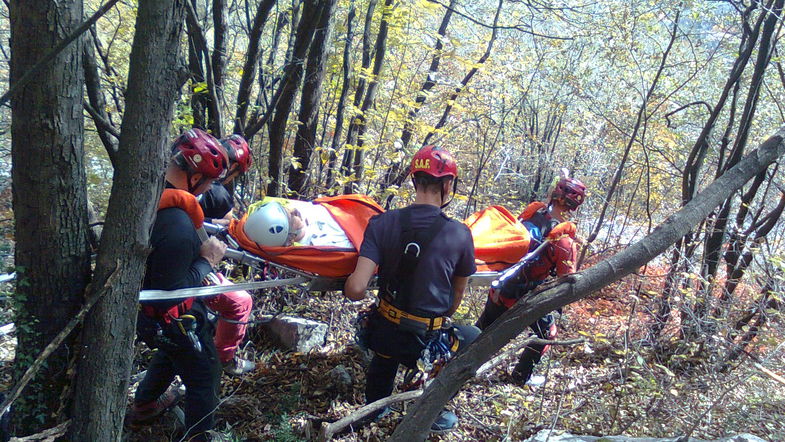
(268, 225)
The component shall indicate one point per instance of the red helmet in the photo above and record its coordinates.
(571, 191)
(202, 153)
(435, 161)
(238, 151)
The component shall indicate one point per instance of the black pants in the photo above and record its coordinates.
(533, 352)
(199, 370)
(392, 347)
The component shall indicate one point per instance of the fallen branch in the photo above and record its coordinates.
(49, 349)
(771, 374)
(49, 435)
(328, 430)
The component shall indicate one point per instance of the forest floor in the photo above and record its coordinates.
(615, 383)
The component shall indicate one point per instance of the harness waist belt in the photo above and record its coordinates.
(398, 316)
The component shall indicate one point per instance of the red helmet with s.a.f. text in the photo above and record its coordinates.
(435, 161)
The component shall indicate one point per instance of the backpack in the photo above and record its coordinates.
(538, 222)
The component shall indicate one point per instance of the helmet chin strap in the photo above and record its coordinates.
(452, 193)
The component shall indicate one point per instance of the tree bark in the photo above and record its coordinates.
(359, 93)
(468, 77)
(311, 99)
(293, 73)
(339, 113)
(578, 286)
(251, 61)
(49, 199)
(370, 95)
(97, 102)
(107, 337)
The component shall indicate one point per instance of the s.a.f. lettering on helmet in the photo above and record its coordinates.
(435, 161)
(268, 225)
(202, 153)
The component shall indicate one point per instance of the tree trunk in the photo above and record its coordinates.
(370, 95)
(468, 77)
(359, 93)
(339, 113)
(219, 51)
(107, 338)
(251, 60)
(416, 423)
(97, 102)
(310, 100)
(49, 200)
(293, 73)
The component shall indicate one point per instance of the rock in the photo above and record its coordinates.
(341, 378)
(561, 436)
(298, 334)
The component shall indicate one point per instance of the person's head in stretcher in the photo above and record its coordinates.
(278, 222)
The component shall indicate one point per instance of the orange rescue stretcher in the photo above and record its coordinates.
(500, 241)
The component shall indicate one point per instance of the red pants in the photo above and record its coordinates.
(235, 306)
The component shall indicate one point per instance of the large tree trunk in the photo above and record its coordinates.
(49, 198)
(107, 338)
(575, 287)
(311, 98)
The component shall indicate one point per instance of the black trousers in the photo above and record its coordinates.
(532, 354)
(199, 370)
(392, 347)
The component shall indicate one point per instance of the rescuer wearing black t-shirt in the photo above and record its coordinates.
(425, 260)
(180, 328)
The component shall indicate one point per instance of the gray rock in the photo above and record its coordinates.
(298, 334)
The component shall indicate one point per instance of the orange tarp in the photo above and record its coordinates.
(499, 239)
(351, 212)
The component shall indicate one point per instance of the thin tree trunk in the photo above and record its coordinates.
(347, 74)
(107, 338)
(218, 58)
(96, 97)
(311, 98)
(468, 77)
(370, 95)
(638, 121)
(293, 73)
(424, 411)
(251, 61)
(359, 93)
(49, 200)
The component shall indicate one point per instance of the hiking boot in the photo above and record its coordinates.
(238, 366)
(447, 421)
(144, 413)
(520, 377)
